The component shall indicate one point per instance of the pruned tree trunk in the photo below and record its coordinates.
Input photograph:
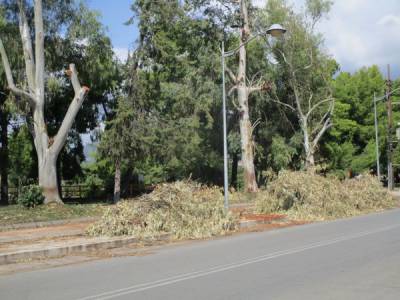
(117, 182)
(48, 178)
(47, 148)
(246, 133)
(308, 148)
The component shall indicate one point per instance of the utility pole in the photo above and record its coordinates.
(389, 130)
(378, 167)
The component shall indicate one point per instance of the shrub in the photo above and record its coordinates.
(31, 196)
(309, 196)
(182, 209)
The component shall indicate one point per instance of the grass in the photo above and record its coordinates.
(14, 214)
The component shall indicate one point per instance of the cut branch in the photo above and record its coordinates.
(254, 89)
(76, 103)
(25, 33)
(10, 80)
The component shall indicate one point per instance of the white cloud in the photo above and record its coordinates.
(121, 53)
(360, 32)
(363, 33)
(390, 21)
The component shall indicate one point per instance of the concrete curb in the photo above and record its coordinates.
(47, 223)
(46, 252)
(97, 244)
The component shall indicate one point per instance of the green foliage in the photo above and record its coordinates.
(351, 142)
(30, 196)
(280, 154)
(94, 186)
(21, 154)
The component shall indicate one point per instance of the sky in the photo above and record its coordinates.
(357, 33)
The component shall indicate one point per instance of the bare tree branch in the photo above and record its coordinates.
(231, 75)
(318, 104)
(39, 52)
(254, 89)
(232, 89)
(27, 46)
(76, 103)
(255, 124)
(325, 127)
(10, 80)
(284, 104)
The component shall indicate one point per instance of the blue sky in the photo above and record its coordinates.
(114, 13)
(357, 33)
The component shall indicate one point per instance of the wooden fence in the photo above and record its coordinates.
(71, 192)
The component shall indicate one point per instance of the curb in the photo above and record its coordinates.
(99, 244)
(46, 223)
(47, 252)
(251, 223)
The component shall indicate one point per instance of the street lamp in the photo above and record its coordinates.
(275, 30)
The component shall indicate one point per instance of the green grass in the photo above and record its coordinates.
(14, 214)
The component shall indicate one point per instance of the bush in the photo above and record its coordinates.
(31, 196)
(182, 209)
(309, 196)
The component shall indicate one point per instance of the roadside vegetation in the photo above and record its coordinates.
(308, 196)
(182, 209)
(155, 118)
(15, 214)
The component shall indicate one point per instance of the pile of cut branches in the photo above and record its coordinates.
(182, 209)
(309, 196)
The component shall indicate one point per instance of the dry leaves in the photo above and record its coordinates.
(182, 209)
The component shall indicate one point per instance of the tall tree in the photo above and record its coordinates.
(240, 83)
(306, 75)
(178, 75)
(47, 148)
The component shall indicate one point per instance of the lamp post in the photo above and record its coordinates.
(274, 30)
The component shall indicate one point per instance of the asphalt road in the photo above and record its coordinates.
(356, 258)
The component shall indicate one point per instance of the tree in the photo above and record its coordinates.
(179, 77)
(306, 73)
(8, 32)
(240, 83)
(47, 148)
(351, 142)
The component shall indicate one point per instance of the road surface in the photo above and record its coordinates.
(356, 258)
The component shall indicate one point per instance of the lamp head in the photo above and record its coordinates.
(276, 30)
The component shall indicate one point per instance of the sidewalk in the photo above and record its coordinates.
(52, 240)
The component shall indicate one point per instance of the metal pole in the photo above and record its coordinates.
(378, 168)
(226, 203)
(390, 124)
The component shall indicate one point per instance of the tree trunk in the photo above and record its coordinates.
(308, 148)
(3, 154)
(235, 161)
(48, 178)
(244, 120)
(117, 182)
(47, 148)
